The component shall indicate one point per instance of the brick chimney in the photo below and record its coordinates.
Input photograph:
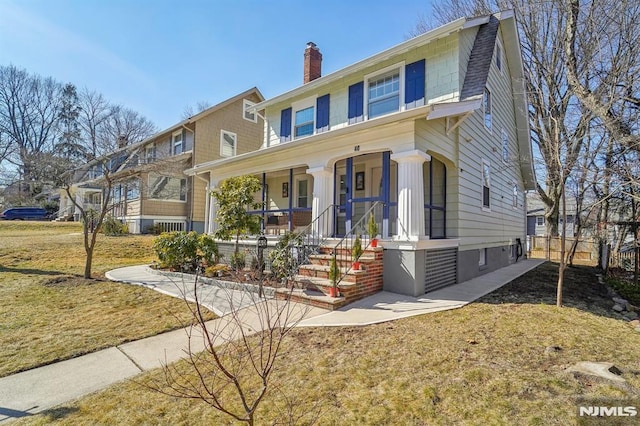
(312, 62)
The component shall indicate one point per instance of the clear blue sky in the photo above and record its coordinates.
(157, 56)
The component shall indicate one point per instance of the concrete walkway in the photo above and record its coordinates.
(37, 390)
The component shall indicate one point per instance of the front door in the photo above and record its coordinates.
(360, 182)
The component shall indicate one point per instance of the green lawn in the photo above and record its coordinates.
(483, 364)
(49, 313)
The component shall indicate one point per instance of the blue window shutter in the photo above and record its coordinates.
(356, 102)
(285, 125)
(414, 84)
(322, 113)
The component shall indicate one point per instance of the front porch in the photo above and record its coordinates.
(405, 194)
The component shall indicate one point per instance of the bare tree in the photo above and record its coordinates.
(604, 36)
(124, 126)
(230, 361)
(95, 111)
(29, 111)
(191, 110)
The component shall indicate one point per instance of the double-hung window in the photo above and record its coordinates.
(486, 107)
(498, 56)
(383, 93)
(150, 153)
(246, 114)
(486, 185)
(303, 193)
(177, 146)
(304, 122)
(227, 143)
(167, 188)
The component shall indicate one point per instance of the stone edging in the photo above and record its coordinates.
(232, 285)
(621, 306)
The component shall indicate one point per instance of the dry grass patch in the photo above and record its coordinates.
(483, 364)
(49, 313)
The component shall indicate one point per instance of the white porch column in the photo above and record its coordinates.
(322, 196)
(80, 201)
(410, 194)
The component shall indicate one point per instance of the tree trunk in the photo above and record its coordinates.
(563, 242)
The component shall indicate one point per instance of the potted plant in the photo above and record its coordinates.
(334, 273)
(356, 252)
(373, 231)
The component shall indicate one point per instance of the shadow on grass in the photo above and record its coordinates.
(581, 290)
(28, 271)
(58, 413)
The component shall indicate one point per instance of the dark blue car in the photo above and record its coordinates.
(24, 213)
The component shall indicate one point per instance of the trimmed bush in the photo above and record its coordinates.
(113, 227)
(185, 251)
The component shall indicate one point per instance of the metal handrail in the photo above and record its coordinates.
(347, 243)
(307, 241)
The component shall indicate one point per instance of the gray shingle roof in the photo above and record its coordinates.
(480, 60)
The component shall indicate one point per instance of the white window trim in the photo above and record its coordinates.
(246, 104)
(149, 197)
(298, 106)
(537, 221)
(505, 137)
(401, 106)
(173, 143)
(235, 145)
(515, 195)
(484, 113)
(483, 163)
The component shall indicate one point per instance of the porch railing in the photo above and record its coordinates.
(344, 246)
(308, 240)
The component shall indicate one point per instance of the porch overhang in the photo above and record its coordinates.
(453, 109)
(299, 148)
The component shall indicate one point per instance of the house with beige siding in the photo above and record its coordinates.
(429, 137)
(150, 191)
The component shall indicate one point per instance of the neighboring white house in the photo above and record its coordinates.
(535, 216)
(434, 130)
